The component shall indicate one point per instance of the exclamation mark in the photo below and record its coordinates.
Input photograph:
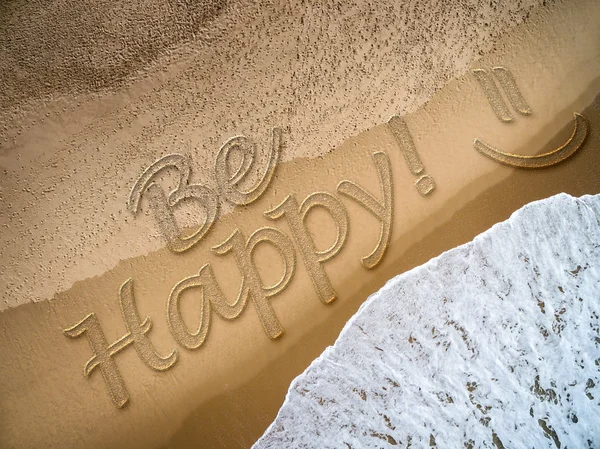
(425, 184)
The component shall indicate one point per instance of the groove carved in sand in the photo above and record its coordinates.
(425, 184)
(509, 85)
(228, 183)
(576, 141)
(251, 286)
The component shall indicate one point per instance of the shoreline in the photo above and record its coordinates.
(239, 375)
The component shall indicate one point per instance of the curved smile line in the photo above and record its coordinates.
(553, 157)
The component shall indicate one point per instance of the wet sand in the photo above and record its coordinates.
(239, 417)
(227, 392)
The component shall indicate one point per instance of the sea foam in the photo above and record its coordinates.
(495, 343)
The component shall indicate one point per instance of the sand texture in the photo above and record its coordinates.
(324, 70)
(328, 76)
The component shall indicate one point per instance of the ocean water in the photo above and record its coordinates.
(493, 344)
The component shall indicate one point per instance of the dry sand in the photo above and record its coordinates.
(69, 239)
(324, 70)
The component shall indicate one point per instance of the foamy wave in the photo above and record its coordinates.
(493, 344)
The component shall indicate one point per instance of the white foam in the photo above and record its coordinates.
(489, 342)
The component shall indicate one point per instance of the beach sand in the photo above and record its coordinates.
(68, 250)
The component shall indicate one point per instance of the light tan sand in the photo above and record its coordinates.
(326, 70)
(228, 391)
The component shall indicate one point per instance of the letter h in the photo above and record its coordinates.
(103, 352)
